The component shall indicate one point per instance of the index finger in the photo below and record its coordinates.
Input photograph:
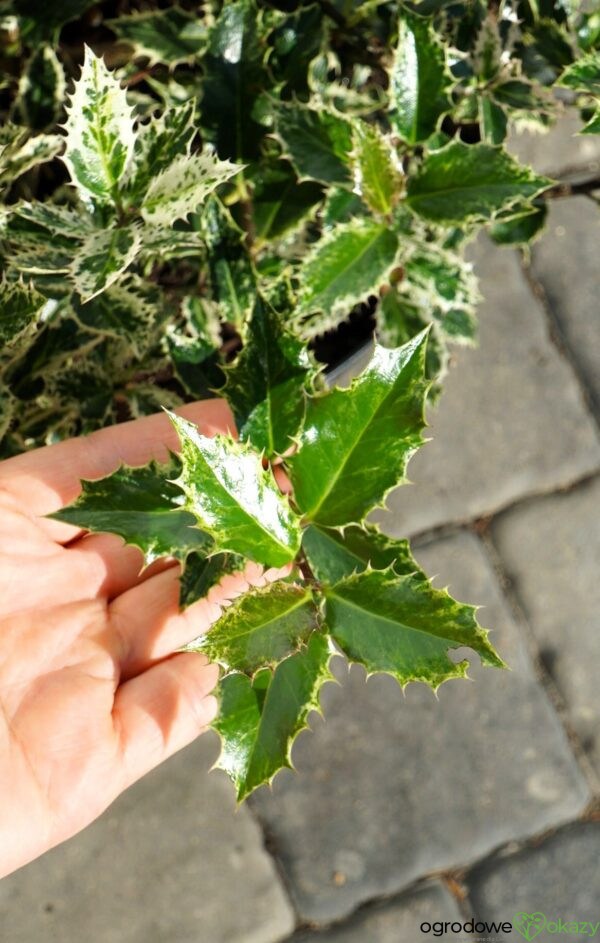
(47, 479)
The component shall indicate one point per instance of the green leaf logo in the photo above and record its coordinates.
(529, 925)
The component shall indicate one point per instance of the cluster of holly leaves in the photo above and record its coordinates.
(193, 202)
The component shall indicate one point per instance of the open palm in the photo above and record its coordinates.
(91, 695)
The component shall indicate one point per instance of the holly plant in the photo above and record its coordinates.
(351, 589)
(224, 199)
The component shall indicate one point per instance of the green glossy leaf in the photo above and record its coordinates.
(104, 255)
(355, 443)
(265, 384)
(41, 89)
(20, 307)
(400, 625)
(399, 319)
(419, 81)
(347, 265)
(143, 507)
(100, 138)
(494, 123)
(317, 142)
(260, 628)
(294, 43)
(520, 230)
(583, 75)
(378, 175)
(234, 498)
(201, 573)
(178, 190)
(280, 202)
(260, 718)
(334, 555)
(233, 279)
(170, 36)
(54, 14)
(470, 182)
(235, 76)
(340, 206)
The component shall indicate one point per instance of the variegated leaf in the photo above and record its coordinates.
(100, 137)
(104, 256)
(186, 183)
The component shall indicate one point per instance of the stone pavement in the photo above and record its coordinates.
(406, 810)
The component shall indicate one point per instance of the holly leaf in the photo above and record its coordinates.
(260, 628)
(334, 555)
(170, 36)
(7, 409)
(470, 182)
(41, 89)
(419, 81)
(280, 201)
(121, 311)
(158, 142)
(185, 183)
(235, 76)
(265, 384)
(143, 506)
(521, 229)
(347, 265)
(377, 173)
(583, 75)
(494, 123)
(202, 573)
(259, 719)
(234, 499)
(44, 223)
(317, 142)
(356, 442)
(104, 255)
(400, 625)
(20, 307)
(19, 153)
(232, 276)
(100, 137)
(442, 284)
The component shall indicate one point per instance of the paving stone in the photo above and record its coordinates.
(170, 862)
(559, 879)
(511, 420)
(390, 788)
(551, 548)
(565, 262)
(562, 151)
(397, 922)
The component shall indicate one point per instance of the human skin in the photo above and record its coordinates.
(93, 693)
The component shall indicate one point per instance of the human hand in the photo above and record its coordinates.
(91, 695)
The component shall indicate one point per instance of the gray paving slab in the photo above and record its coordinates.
(551, 550)
(562, 151)
(396, 922)
(170, 862)
(392, 787)
(559, 879)
(511, 420)
(565, 262)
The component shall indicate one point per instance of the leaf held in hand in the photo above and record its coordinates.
(234, 499)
